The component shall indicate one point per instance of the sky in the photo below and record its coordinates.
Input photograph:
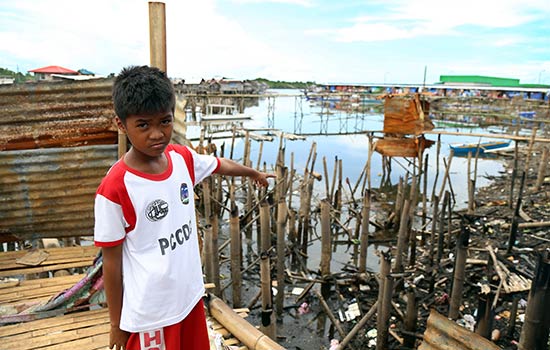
(325, 41)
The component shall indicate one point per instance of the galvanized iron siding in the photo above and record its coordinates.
(444, 334)
(50, 192)
(59, 114)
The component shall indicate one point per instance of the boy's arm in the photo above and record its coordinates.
(231, 168)
(112, 279)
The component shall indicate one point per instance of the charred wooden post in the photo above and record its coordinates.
(325, 246)
(399, 198)
(268, 325)
(364, 239)
(459, 270)
(327, 186)
(534, 334)
(515, 218)
(281, 247)
(424, 200)
(435, 213)
(485, 316)
(441, 237)
(235, 249)
(514, 174)
(411, 319)
(381, 322)
(412, 234)
(438, 150)
(513, 316)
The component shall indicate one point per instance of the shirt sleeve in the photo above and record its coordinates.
(110, 226)
(204, 165)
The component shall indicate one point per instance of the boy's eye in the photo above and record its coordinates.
(142, 125)
(167, 121)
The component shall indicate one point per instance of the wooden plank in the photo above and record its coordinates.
(84, 263)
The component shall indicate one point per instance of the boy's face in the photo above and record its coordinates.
(149, 133)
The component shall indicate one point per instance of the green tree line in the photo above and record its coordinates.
(18, 76)
(285, 84)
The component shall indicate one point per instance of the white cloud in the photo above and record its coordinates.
(304, 3)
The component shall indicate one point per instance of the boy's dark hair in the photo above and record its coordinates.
(142, 90)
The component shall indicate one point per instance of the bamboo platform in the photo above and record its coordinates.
(85, 330)
(21, 262)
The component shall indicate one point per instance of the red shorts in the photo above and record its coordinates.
(190, 333)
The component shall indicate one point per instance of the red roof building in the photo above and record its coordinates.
(45, 73)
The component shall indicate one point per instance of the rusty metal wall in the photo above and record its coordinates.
(50, 192)
(57, 114)
(444, 334)
(57, 141)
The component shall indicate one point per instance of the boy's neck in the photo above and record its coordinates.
(145, 164)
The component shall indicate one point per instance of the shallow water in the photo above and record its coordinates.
(292, 115)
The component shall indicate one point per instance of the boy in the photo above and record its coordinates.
(145, 222)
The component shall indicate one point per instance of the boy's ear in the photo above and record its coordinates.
(120, 124)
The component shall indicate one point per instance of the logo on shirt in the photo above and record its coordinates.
(152, 340)
(184, 193)
(156, 210)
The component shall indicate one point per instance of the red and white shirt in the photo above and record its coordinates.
(153, 216)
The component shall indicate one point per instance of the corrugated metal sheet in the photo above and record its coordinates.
(444, 334)
(50, 192)
(60, 114)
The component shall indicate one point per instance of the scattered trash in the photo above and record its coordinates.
(443, 299)
(353, 312)
(372, 333)
(297, 291)
(334, 344)
(495, 335)
(303, 309)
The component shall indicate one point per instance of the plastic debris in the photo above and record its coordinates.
(303, 309)
(334, 344)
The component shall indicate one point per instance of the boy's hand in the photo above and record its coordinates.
(118, 338)
(261, 179)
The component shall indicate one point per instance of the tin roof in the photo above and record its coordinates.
(54, 70)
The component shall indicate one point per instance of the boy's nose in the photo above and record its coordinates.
(156, 133)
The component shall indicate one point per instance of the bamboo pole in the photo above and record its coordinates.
(365, 218)
(268, 325)
(252, 338)
(485, 316)
(235, 249)
(157, 35)
(441, 237)
(459, 271)
(265, 227)
(384, 317)
(411, 319)
(215, 258)
(542, 169)
(402, 237)
(424, 199)
(385, 259)
(281, 245)
(325, 239)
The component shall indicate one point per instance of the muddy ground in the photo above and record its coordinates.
(304, 324)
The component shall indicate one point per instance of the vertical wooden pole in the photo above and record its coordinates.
(385, 259)
(534, 334)
(215, 258)
(157, 35)
(459, 270)
(325, 238)
(542, 169)
(267, 325)
(424, 200)
(281, 246)
(402, 237)
(365, 216)
(235, 248)
(411, 319)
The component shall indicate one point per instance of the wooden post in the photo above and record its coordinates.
(542, 169)
(513, 316)
(402, 237)
(534, 334)
(265, 227)
(441, 238)
(215, 258)
(435, 213)
(325, 247)
(235, 248)
(485, 316)
(281, 246)
(459, 270)
(514, 174)
(385, 259)
(157, 35)
(365, 216)
(267, 326)
(424, 200)
(384, 317)
(411, 319)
